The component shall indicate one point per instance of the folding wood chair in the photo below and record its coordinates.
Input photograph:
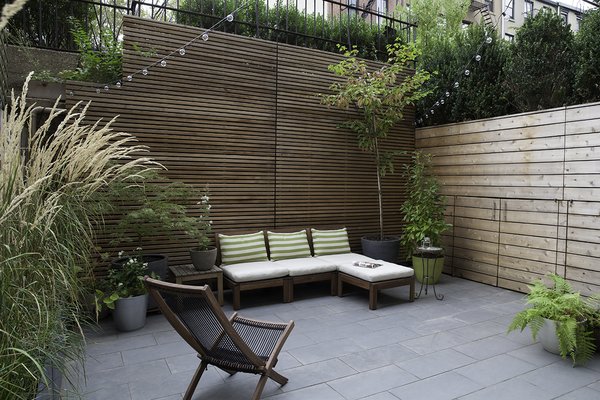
(234, 344)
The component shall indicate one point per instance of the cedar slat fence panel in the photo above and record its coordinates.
(531, 186)
(242, 115)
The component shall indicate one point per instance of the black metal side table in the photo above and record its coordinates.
(429, 255)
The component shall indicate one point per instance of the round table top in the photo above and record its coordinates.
(430, 250)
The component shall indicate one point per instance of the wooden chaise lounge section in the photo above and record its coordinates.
(282, 259)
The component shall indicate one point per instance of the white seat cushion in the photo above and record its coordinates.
(307, 265)
(385, 272)
(254, 271)
(345, 258)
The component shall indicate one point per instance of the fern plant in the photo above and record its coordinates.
(567, 309)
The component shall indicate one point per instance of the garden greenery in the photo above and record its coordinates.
(379, 96)
(573, 315)
(546, 66)
(424, 207)
(50, 201)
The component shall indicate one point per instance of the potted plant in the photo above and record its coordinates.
(126, 294)
(423, 213)
(379, 97)
(157, 211)
(560, 317)
(204, 256)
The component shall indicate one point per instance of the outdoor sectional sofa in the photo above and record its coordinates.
(283, 259)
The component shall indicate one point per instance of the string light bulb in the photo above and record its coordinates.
(467, 72)
(488, 40)
(447, 94)
(205, 36)
(118, 84)
(182, 51)
(97, 90)
(456, 85)
(106, 88)
(163, 63)
(229, 18)
(442, 101)
(477, 58)
(145, 71)
(129, 78)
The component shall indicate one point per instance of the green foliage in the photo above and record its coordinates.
(567, 309)
(312, 30)
(203, 230)
(587, 67)
(96, 65)
(440, 22)
(124, 281)
(540, 71)
(380, 98)
(424, 208)
(49, 207)
(158, 208)
(481, 95)
(46, 23)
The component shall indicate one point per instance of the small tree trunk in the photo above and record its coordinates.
(379, 195)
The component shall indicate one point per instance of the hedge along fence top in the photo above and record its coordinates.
(46, 24)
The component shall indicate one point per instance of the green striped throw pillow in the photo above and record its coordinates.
(330, 241)
(288, 245)
(237, 249)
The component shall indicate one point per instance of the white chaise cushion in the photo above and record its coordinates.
(254, 271)
(307, 266)
(385, 272)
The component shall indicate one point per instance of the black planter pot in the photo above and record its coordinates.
(385, 249)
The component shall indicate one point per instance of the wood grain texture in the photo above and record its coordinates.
(526, 190)
(242, 115)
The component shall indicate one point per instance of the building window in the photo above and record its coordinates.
(490, 4)
(510, 9)
(509, 37)
(528, 8)
(382, 7)
(565, 16)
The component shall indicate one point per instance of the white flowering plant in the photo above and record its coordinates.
(127, 280)
(203, 229)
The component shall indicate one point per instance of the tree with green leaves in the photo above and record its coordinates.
(587, 69)
(540, 71)
(380, 97)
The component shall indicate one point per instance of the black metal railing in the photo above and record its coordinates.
(321, 24)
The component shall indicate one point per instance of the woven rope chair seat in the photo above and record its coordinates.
(234, 344)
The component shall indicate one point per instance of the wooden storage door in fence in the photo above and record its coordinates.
(476, 230)
(528, 241)
(582, 196)
(543, 170)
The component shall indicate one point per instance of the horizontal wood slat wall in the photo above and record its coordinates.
(243, 115)
(525, 193)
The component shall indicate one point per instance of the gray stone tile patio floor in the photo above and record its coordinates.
(435, 350)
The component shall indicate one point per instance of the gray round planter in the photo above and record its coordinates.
(548, 337)
(130, 313)
(386, 249)
(203, 260)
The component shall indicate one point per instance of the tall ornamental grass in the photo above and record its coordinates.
(51, 196)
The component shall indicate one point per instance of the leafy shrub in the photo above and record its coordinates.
(540, 71)
(587, 68)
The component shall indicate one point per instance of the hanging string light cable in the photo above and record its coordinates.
(464, 71)
(181, 50)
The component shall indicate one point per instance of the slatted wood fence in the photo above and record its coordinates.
(523, 195)
(243, 115)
